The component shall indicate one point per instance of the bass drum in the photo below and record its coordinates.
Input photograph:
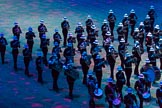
(157, 73)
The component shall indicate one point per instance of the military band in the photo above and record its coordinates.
(114, 89)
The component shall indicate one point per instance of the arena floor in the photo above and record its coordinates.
(19, 91)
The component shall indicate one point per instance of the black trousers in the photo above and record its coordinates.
(26, 62)
(88, 30)
(45, 50)
(55, 75)
(128, 73)
(120, 87)
(40, 79)
(136, 72)
(122, 60)
(110, 104)
(132, 29)
(85, 71)
(65, 33)
(2, 51)
(152, 20)
(92, 103)
(99, 77)
(141, 40)
(112, 25)
(15, 54)
(126, 36)
(112, 65)
(30, 44)
(160, 103)
(70, 81)
(140, 99)
(160, 63)
(148, 49)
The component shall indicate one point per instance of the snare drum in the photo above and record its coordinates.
(98, 93)
(146, 96)
(157, 73)
(117, 102)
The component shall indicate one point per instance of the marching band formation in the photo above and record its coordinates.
(146, 34)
